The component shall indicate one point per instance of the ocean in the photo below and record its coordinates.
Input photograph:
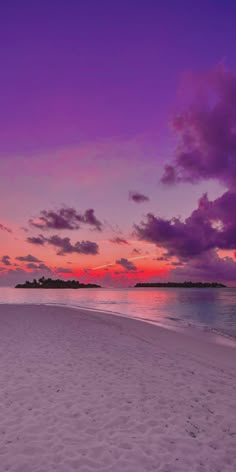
(213, 309)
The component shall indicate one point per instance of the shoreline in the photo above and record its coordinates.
(83, 391)
(211, 335)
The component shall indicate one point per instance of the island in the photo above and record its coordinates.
(55, 283)
(181, 285)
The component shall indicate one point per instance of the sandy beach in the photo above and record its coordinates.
(83, 392)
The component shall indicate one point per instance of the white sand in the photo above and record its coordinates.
(87, 392)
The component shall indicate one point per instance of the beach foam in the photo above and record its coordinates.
(85, 392)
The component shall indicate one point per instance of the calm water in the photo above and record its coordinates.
(211, 308)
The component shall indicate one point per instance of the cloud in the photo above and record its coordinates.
(65, 218)
(162, 258)
(118, 240)
(210, 226)
(5, 228)
(6, 260)
(177, 264)
(44, 267)
(32, 265)
(206, 133)
(208, 267)
(63, 270)
(66, 247)
(28, 258)
(206, 149)
(38, 240)
(138, 197)
(126, 264)
(90, 219)
(12, 277)
(136, 251)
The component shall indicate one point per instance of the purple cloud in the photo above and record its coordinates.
(28, 258)
(65, 218)
(63, 270)
(162, 258)
(44, 267)
(32, 265)
(136, 251)
(90, 219)
(6, 260)
(126, 264)
(66, 247)
(118, 240)
(38, 240)
(138, 197)
(211, 226)
(206, 133)
(177, 264)
(5, 228)
(208, 267)
(19, 275)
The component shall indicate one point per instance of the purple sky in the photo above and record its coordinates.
(99, 102)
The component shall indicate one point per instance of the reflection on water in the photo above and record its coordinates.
(212, 308)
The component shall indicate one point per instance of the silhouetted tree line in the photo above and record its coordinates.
(182, 285)
(55, 283)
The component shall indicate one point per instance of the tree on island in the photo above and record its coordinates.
(55, 283)
(181, 285)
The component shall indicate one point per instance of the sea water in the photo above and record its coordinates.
(208, 308)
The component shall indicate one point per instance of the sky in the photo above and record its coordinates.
(118, 141)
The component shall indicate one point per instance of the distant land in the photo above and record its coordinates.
(182, 285)
(55, 283)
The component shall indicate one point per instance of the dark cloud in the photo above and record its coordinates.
(118, 240)
(44, 267)
(206, 133)
(208, 267)
(19, 275)
(206, 149)
(162, 258)
(6, 260)
(211, 226)
(32, 265)
(65, 218)
(126, 264)
(28, 258)
(5, 228)
(38, 240)
(138, 197)
(177, 264)
(66, 247)
(91, 220)
(136, 251)
(63, 270)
